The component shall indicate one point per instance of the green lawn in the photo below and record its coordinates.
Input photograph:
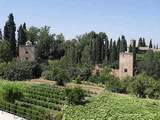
(109, 106)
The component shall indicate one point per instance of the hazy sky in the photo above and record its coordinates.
(133, 18)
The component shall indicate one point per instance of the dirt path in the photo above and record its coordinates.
(91, 88)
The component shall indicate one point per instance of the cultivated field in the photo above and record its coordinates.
(109, 106)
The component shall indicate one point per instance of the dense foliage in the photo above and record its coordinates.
(115, 107)
(140, 85)
(150, 64)
(75, 96)
(19, 70)
(12, 93)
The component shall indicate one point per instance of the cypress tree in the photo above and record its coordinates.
(101, 40)
(20, 34)
(111, 44)
(25, 32)
(114, 52)
(110, 48)
(130, 48)
(123, 44)
(118, 46)
(134, 54)
(93, 46)
(98, 50)
(157, 47)
(150, 44)
(22, 38)
(9, 34)
(140, 42)
(106, 49)
(0, 34)
(143, 42)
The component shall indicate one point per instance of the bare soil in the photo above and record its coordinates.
(92, 88)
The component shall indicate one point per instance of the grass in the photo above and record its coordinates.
(109, 106)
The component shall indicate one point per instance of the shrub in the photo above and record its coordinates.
(12, 93)
(61, 78)
(75, 96)
(78, 80)
(59, 116)
(2, 68)
(102, 77)
(140, 85)
(36, 70)
(114, 85)
(18, 70)
(145, 86)
(56, 74)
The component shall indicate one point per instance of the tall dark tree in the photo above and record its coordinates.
(9, 34)
(25, 32)
(123, 45)
(130, 48)
(157, 47)
(114, 52)
(111, 44)
(140, 42)
(106, 50)
(118, 46)
(0, 34)
(22, 37)
(143, 42)
(93, 37)
(150, 44)
(101, 40)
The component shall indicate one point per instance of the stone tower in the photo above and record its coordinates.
(126, 65)
(27, 52)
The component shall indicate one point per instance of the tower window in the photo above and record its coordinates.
(125, 70)
(26, 52)
(26, 58)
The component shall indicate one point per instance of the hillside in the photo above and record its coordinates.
(115, 107)
(40, 100)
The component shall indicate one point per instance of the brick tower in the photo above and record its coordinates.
(126, 65)
(27, 52)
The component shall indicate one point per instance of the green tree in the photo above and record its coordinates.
(106, 49)
(0, 34)
(140, 42)
(22, 35)
(33, 34)
(130, 48)
(151, 64)
(75, 96)
(25, 32)
(100, 46)
(118, 46)
(60, 38)
(9, 34)
(86, 56)
(93, 37)
(5, 51)
(45, 40)
(123, 45)
(150, 44)
(144, 42)
(114, 52)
